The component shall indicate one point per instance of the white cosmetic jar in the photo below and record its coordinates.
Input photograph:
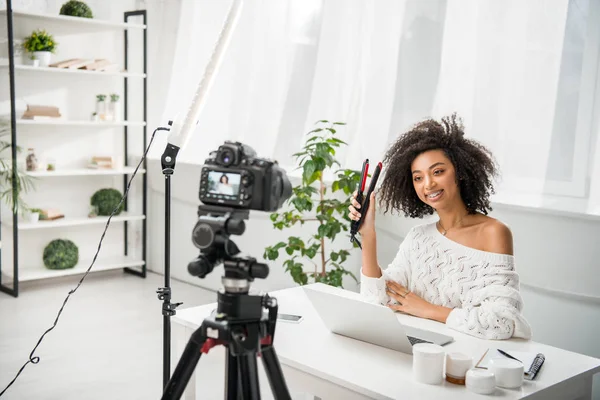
(480, 381)
(428, 363)
(509, 373)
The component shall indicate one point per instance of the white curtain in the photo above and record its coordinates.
(522, 75)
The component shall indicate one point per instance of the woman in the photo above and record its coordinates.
(224, 187)
(460, 269)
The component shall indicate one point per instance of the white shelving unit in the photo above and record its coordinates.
(23, 23)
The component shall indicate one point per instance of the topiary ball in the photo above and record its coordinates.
(106, 200)
(61, 254)
(76, 8)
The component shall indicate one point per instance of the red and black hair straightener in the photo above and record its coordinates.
(364, 203)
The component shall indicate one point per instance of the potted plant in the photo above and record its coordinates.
(315, 202)
(75, 8)
(40, 44)
(35, 214)
(114, 110)
(34, 61)
(11, 194)
(101, 109)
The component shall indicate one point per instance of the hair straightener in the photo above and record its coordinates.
(364, 203)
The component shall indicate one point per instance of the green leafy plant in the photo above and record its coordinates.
(106, 200)
(100, 97)
(114, 97)
(61, 254)
(39, 40)
(76, 8)
(9, 194)
(329, 216)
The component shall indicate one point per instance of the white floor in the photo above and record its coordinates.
(106, 345)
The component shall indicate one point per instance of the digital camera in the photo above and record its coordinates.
(234, 177)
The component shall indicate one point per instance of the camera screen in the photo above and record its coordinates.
(224, 183)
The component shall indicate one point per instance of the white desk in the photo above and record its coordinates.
(316, 362)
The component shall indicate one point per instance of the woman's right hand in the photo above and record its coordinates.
(368, 224)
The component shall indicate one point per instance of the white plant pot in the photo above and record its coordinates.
(34, 217)
(43, 57)
(35, 63)
(114, 109)
(101, 110)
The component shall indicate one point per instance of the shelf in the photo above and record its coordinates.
(31, 68)
(64, 122)
(85, 172)
(76, 221)
(25, 22)
(30, 273)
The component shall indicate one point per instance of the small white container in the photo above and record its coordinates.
(509, 373)
(34, 217)
(428, 363)
(457, 365)
(480, 381)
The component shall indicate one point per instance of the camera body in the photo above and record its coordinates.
(234, 177)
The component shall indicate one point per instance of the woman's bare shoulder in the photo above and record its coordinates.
(497, 236)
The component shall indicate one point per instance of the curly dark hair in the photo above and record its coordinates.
(474, 164)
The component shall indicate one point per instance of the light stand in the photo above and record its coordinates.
(181, 131)
(164, 293)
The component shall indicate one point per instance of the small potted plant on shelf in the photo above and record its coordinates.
(9, 194)
(34, 61)
(35, 214)
(51, 166)
(40, 44)
(75, 8)
(114, 109)
(101, 109)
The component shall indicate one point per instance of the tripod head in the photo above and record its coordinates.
(211, 235)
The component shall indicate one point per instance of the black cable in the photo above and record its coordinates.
(35, 360)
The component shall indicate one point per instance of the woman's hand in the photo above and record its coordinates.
(368, 224)
(410, 303)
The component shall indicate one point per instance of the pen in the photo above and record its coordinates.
(508, 355)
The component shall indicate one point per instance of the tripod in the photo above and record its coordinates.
(240, 325)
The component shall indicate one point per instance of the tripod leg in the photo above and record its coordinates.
(249, 376)
(274, 373)
(232, 377)
(186, 366)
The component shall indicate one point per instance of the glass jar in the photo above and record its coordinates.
(31, 161)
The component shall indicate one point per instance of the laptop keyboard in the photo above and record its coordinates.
(413, 340)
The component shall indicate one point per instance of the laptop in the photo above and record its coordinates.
(345, 313)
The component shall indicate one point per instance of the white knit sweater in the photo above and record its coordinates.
(481, 287)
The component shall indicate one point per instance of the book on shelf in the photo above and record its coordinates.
(35, 112)
(51, 214)
(99, 64)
